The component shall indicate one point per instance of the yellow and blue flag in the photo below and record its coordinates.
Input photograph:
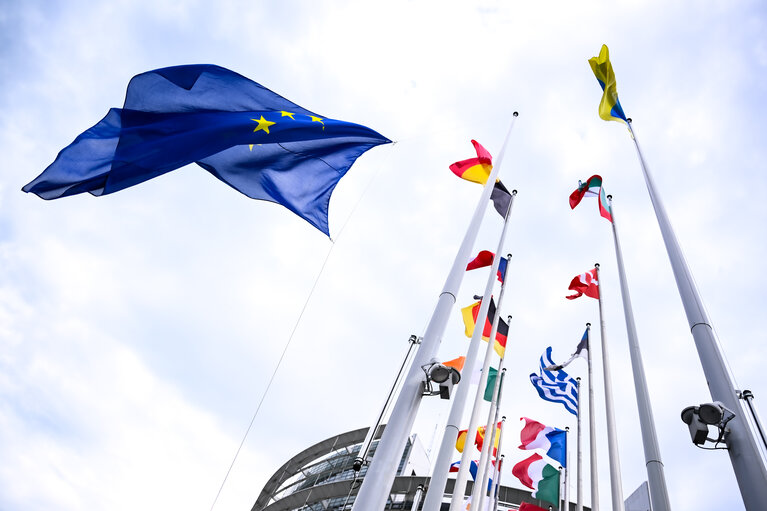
(249, 137)
(610, 107)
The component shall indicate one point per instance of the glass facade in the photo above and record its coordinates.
(322, 478)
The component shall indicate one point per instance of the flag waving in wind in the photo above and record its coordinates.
(481, 438)
(555, 386)
(537, 436)
(501, 198)
(585, 284)
(610, 107)
(485, 258)
(470, 314)
(252, 139)
(476, 170)
(592, 188)
(581, 350)
(540, 476)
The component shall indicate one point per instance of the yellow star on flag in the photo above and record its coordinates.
(263, 124)
(317, 119)
(287, 114)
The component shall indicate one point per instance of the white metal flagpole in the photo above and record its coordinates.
(656, 478)
(579, 453)
(497, 473)
(493, 481)
(612, 439)
(459, 402)
(567, 464)
(380, 475)
(592, 430)
(745, 456)
(480, 485)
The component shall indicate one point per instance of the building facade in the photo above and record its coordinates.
(322, 478)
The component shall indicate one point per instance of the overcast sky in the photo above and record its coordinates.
(139, 330)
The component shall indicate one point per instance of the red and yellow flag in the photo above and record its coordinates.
(476, 170)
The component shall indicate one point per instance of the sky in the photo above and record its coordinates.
(139, 331)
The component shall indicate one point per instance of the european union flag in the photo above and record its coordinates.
(247, 136)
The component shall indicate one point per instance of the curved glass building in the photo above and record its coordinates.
(322, 478)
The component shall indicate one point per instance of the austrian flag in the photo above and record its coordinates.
(585, 284)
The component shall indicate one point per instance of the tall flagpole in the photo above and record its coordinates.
(459, 402)
(493, 481)
(567, 465)
(745, 456)
(439, 474)
(380, 475)
(498, 468)
(480, 485)
(612, 440)
(579, 455)
(656, 478)
(592, 429)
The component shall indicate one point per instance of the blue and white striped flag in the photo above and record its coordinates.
(552, 376)
(565, 393)
(555, 386)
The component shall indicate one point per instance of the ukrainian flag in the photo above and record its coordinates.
(609, 108)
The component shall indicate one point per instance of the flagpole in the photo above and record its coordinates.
(567, 465)
(498, 468)
(746, 459)
(592, 429)
(579, 454)
(612, 439)
(365, 447)
(495, 483)
(380, 475)
(492, 423)
(459, 403)
(439, 474)
(561, 493)
(655, 473)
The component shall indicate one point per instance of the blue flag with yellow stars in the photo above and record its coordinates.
(254, 140)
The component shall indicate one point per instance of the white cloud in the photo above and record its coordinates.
(139, 330)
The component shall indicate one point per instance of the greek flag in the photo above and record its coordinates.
(555, 386)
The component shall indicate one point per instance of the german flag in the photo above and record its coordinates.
(470, 314)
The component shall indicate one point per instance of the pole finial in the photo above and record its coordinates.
(515, 114)
(508, 256)
(629, 120)
(588, 324)
(610, 197)
(514, 192)
(596, 265)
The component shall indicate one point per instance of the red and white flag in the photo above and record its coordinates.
(585, 284)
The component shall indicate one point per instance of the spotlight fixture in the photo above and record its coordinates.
(699, 418)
